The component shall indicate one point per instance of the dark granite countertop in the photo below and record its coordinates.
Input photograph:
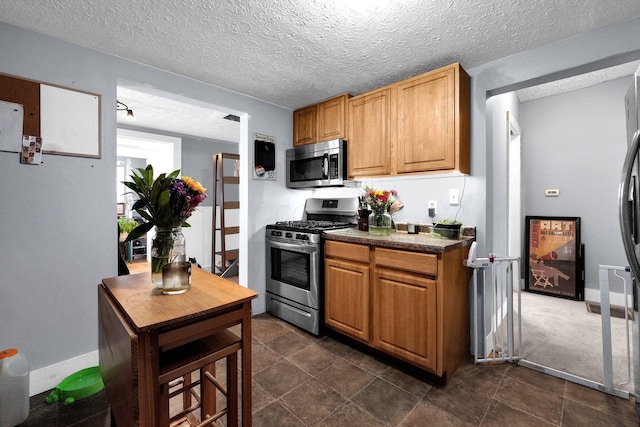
(421, 242)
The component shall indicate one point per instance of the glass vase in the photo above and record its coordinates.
(379, 223)
(167, 247)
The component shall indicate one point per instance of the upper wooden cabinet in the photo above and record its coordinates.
(332, 118)
(432, 122)
(304, 126)
(321, 122)
(427, 123)
(368, 124)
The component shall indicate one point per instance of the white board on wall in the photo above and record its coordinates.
(69, 122)
(11, 126)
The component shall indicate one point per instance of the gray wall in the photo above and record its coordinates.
(57, 234)
(595, 50)
(599, 49)
(576, 142)
(197, 162)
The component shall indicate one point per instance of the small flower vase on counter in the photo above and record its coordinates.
(379, 223)
(166, 203)
(167, 247)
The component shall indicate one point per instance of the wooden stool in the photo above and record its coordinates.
(179, 364)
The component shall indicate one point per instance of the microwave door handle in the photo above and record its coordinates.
(325, 166)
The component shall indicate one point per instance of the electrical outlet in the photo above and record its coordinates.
(433, 208)
(453, 196)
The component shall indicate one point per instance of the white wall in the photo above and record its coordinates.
(497, 107)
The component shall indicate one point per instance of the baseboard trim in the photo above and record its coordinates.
(615, 298)
(44, 379)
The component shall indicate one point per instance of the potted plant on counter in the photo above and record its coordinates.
(447, 228)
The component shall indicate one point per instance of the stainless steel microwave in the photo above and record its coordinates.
(323, 164)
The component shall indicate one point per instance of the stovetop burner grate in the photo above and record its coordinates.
(312, 225)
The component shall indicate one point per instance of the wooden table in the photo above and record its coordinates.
(137, 323)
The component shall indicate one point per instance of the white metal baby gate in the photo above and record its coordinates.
(497, 321)
(495, 279)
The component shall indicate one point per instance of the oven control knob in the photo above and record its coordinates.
(302, 237)
(276, 233)
(287, 235)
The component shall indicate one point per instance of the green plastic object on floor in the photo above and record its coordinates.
(77, 386)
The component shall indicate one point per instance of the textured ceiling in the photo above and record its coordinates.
(577, 82)
(294, 53)
(174, 114)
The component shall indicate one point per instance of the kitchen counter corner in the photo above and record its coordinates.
(421, 242)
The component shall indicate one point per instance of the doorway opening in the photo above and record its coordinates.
(173, 132)
(551, 320)
(136, 150)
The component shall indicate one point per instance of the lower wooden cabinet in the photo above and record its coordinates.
(404, 316)
(413, 306)
(347, 297)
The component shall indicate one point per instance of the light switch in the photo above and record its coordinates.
(552, 192)
(454, 198)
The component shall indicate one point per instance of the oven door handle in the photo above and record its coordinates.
(292, 246)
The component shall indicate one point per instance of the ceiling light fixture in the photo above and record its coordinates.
(123, 107)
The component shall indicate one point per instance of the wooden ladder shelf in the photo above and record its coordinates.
(224, 259)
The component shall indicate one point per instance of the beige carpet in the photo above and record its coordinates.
(561, 334)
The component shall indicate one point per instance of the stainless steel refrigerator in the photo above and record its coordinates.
(629, 200)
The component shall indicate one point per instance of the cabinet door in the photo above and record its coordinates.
(332, 116)
(369, 148)
(347, 297)
(304, 126)
(424, 132)
(404, 316)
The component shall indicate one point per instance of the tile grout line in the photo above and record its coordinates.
(493, 397)
(375, 375)
(564, 401)
(534, 386)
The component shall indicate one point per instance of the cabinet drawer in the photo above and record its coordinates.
(350, 251)
(408, 261)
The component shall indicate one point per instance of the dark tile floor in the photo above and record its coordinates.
(300, 380)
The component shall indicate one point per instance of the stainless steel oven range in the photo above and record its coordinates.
(295, 270)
